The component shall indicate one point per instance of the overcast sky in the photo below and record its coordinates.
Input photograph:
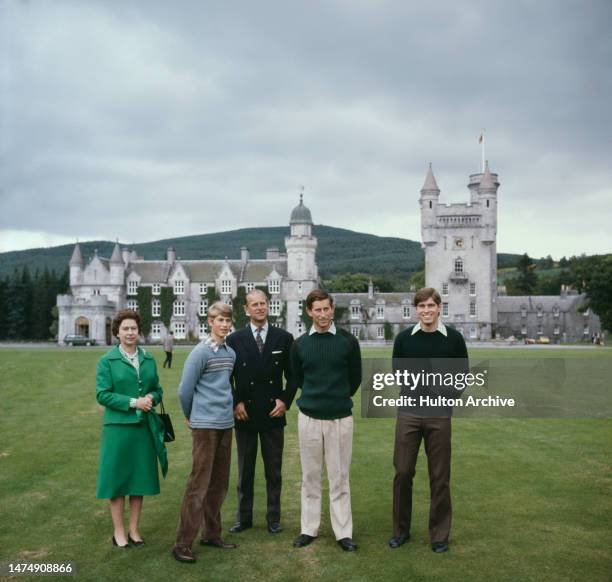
(145, 119)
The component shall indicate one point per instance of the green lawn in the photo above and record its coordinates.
(531, 497)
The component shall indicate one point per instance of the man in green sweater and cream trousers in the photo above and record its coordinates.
(327, 364)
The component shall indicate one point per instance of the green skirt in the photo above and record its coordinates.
(128, 462)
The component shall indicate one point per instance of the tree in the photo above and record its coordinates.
(593, 276)
(357, 283)
(526, 281)
(3, 306)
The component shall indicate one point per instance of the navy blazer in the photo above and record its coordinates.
(257, 378)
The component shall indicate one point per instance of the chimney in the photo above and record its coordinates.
(244, 254)
(170, 255)
(272, 254)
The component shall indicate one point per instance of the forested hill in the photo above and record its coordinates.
(339, 251)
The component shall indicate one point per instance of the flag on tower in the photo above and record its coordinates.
(481, 138)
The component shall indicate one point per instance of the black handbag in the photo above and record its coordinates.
(168, 428)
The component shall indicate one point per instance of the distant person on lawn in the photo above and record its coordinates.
(205, 394)
(423, 343)
(168, 347)
(128, 387)
(326, 362)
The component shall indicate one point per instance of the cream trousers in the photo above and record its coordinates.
(334, 440)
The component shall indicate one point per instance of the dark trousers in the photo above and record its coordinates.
(272, 442)
(206, 487)
(168, 360)
(436, 432)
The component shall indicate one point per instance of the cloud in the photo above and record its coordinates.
(145, 120)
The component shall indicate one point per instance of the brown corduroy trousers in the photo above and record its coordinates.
(206, 487)
(436, 432)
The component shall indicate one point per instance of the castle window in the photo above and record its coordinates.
(179, 287)
(445, 309)
(473, 332)
(300, 327)
(355, 331)
(203, 307)
(203, 288)
(300, 307)
(132, 304)
(132, 287)
(156, 308)
(226, 287)
(355, 311)
(472, 308)
(458, 266)
(444, 288)
(202, 329)
(274, 286)
(524, 330)
(556, 331)
(380, 332)
(95, 292)
(472, 288)
(156, 330)
(299, 287)
(156, 289)
(179, 329)
(487, 204)
(249, 287)
(540, 313)
(380, 311)
(523, 311)
(540, 332)
(406, 310)
(430, 204)
(275, 307)
(179, 308)
(556, 312)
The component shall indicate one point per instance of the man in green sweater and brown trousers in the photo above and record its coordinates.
(432, 347)
(327, 365)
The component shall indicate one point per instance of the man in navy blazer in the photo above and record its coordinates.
(260, 403)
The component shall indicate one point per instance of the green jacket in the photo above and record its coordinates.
(117, 382)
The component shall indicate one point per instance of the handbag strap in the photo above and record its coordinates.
(161, 404)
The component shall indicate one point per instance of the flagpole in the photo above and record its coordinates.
(482, 143)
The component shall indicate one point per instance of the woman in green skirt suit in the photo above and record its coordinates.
(128, 387)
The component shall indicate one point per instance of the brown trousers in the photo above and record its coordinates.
(436, 432)
(206, 487)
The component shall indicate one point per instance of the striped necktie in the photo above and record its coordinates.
(259, 341)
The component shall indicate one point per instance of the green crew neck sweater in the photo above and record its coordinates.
(328, 370)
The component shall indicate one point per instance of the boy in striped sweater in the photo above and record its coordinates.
(205, 394)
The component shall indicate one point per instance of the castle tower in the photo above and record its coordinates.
(459, 241)
(302, 272)
(76, 266)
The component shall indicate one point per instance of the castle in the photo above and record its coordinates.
(459, 241)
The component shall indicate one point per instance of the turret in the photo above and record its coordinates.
(430, 194)
(76, 266)
(301, 245)
(487, 198)
(117, 267)
(171, 255)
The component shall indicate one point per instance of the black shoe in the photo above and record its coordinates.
(303, 540)
(439, 547)
(274, 527)
(183, 555)
(135, 543)
(218, 544)
(347, 545)
(118, 546)
(396, 542)
(240, 526)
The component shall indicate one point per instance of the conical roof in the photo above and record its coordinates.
(117, 257)
(487, 182)
(300, 214)
(77, 257)
(430, 182)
